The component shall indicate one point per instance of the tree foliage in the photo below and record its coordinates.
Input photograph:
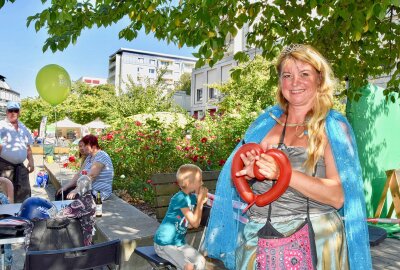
(360, 38)
(185, 83)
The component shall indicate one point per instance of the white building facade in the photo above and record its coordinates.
(142, 67)
(204, 95)
(6, 95)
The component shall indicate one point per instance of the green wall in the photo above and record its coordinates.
(376, 125)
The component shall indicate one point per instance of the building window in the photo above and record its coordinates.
(152, 70)
(152, 62)
(141, 60)
(177, 65)
(199, 94)
(96, 81)
(164, 63)
(88, 81)
(212, 93)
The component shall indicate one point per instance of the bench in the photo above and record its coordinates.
(164, 186)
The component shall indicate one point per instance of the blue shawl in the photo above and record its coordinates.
(224, 230)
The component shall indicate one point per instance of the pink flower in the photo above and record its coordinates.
(149, 181)
(138, 123)
(178, 147)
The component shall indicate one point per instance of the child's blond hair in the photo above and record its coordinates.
(187, 174)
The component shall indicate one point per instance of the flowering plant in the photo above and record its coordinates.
(140, 149)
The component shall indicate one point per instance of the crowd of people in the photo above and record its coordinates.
(325, 182)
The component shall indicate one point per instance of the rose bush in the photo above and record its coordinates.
(140, 149)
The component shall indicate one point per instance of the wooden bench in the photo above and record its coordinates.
(165, 186)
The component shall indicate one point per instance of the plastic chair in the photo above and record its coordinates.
(102, 254)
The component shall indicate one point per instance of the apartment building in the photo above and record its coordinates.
(6, 95)
(204, 95)
(142, 67)
(92, 81)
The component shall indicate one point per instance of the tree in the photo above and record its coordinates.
(82, 105)
(185, 83)
(360, 38)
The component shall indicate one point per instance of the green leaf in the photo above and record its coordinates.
(2, 2)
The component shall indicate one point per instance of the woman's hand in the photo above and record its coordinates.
(60, 190)
(248, 161)
(267, 166)
(72, 194)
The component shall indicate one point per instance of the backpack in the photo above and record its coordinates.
(56, 233)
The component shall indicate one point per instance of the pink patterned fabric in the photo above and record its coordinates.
(292, 252)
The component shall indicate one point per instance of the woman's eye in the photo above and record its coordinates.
(305, 74)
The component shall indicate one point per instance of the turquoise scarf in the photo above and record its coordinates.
(224, 230)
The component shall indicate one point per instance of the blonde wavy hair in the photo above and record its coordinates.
(323, 102)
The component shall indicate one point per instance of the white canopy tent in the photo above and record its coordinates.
(97, 123)
(68, 129)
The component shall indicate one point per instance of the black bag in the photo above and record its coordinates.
(11, 226)
(56, 233)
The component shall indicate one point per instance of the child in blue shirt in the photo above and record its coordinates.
(184, 211)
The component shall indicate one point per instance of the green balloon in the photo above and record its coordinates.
(53, 84)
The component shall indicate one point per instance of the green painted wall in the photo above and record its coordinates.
(376, 126)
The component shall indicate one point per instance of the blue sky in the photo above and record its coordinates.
(21, 55)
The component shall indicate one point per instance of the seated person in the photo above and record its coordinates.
(6, 197)
(83, 208)
(169, 240)
(99, 168)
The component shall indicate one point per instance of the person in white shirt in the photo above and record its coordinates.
(14, 150)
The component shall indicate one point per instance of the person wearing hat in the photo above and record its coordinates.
(14, 150)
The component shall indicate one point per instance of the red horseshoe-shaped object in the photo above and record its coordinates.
(242, 186)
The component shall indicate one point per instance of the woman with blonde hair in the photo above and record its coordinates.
(326, 174)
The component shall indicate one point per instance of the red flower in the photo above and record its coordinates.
(65, 165)
(195, 158)
(238, 140)
(209, 162)
(168, 139)
(138, 123)
(222, 162)
(149, 181)
(145, 189)
(204, 140)
(71, 159)
(110, 137)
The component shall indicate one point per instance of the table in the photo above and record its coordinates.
(13, 209)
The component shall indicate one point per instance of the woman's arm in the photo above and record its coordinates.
(95, 170)
(325, 190)
(8, 188)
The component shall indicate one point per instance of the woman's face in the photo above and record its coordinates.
(299, 83)
(81, 148)
(87, 149)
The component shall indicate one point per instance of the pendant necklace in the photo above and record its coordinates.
(297, 133)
